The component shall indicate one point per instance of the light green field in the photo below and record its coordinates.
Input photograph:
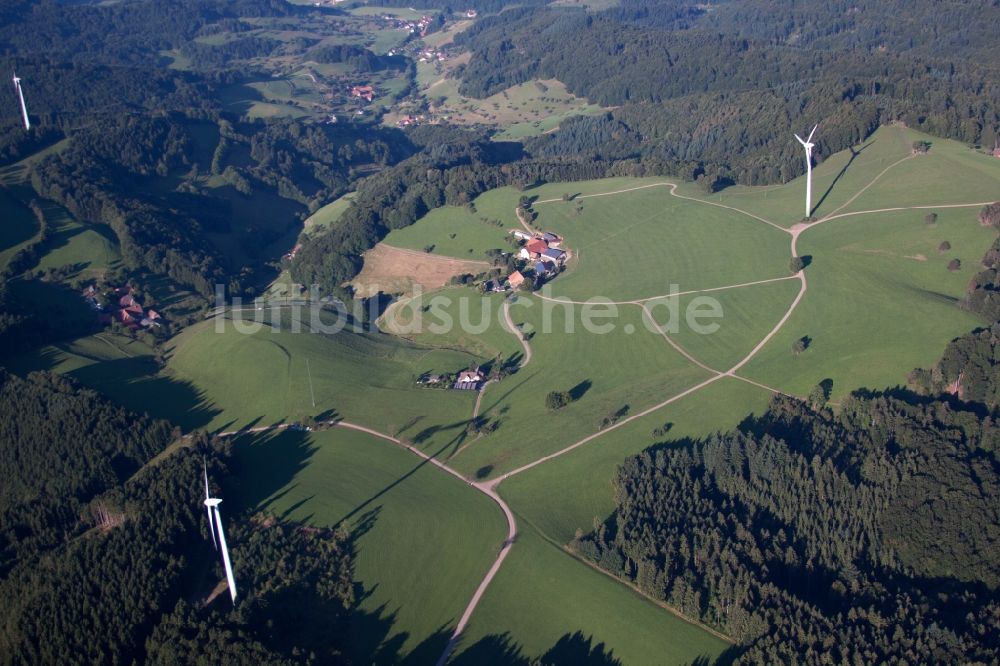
(607, 371)
(950, 173)
(262, 378)
(89, 249)
(880, 302)
(400, 12)
(494, 341)
(527, 109)
(453, 231)
(748, 314)
(567, 493)
(542, 597)
(637, 244)
(326, 217)
(418, 557)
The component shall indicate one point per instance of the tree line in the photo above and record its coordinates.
(728, 87)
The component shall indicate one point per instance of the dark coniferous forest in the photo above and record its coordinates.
(105, 557)
(869, 536)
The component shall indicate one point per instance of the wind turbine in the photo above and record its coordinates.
(20, 96)
(808, 145)
(215, 523)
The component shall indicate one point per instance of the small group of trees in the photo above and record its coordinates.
(557, 400)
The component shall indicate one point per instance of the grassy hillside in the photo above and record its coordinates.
(263, 377)
(543, 602)
(881, 300)
(418, 559)
(636, 244)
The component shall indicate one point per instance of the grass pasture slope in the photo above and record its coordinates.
(418, 557)
(881, 300)
(544, 602)
(875, 300)
(452, 231)
(637, 244)
(262, 378)
(603, 372)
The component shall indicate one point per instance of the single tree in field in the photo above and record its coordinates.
(930, 218)
(817, 397)
(921, 147)
(556, 400)
(954, 265)
(944, 246)
(796, 264)
(800, 345)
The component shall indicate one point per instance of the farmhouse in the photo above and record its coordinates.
(469, 380)
(533, 248)
(554, 254)
(515, 280)
(552, 239)
(523, 235)
(544, 268)
(366, 93)
(128, 311)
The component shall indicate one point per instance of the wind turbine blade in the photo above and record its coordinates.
(800, 139)
(211, 526)
(813, 132)
(211, 521)
(225, 557)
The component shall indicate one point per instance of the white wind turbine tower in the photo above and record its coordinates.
(215, 524)
(20, 96)
(808, 145)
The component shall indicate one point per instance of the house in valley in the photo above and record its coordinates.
(469, 380)
(366, 93)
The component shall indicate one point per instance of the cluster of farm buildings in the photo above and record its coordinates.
(466, 380)
(121, 305)
(544, 259)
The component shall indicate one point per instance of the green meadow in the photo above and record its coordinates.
(422, 538)
(619, 372)
(881, 301)
(569, 492)
(269, 375)
(326, 217)
(637, 244)
(456, 232)
(89, 249)
(747, 315)
(544, 603)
